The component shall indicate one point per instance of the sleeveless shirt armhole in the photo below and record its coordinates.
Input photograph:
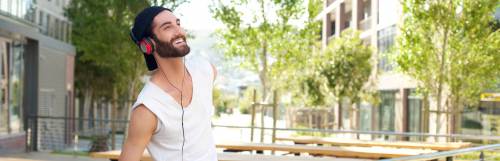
(158, 125)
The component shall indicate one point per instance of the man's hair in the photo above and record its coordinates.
(149, 31)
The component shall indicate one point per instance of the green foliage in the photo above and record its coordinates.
(222, 101)
(245, 103)
(347, 66)
(100, 32)
(449, 45)
(251, 44)
(308, 133)
(475, 155)
(471, 124)
(71, 153)
(344, 69)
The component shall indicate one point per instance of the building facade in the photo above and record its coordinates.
(400, 110)
(36, 71)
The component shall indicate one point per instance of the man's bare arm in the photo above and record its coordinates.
(215, 71)
(141, 127)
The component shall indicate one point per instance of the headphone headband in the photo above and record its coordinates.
(133, 37)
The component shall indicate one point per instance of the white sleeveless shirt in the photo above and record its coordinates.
(166, 142)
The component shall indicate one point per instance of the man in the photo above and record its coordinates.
(172, 115)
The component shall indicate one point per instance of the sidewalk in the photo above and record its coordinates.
(47, 156)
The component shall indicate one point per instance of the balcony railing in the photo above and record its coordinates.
(345, 29)
(48, 22)
(365, 24)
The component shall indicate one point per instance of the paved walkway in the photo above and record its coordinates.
(47, 156)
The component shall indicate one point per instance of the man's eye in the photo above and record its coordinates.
(167, 27)
(178, 24)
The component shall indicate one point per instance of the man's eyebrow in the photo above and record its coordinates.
(166, 23)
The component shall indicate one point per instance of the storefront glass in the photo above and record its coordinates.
(483, 119)
(414, 114)
(385, 114)
(11, 85)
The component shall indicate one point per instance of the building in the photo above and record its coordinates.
(36, 71)
(399, 110)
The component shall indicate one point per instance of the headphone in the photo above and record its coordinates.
(146, 45)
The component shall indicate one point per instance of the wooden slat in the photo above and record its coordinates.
(261, 157)
(17, 159)
(115, 154)
(344, 152)
(370, 143)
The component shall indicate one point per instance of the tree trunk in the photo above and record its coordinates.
(130, 95)
(115, 110)
(87, 99)
(310, 120)
(440, 85)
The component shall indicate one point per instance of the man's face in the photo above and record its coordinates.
(170, 38)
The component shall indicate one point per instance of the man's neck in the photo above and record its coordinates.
(172, 68)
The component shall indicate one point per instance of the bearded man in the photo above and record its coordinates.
(172, 115)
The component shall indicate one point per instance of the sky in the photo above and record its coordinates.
(196, 15)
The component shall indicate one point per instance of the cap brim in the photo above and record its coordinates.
(150, 62)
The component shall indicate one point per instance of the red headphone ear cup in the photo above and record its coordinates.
(146, 46)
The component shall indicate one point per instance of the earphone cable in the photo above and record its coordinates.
(182, 89)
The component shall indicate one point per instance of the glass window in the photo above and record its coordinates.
(4, 108)
(365, 111)
(386, 39)
(385, 114)
(345, 114)
(414, 114)
(482, 120)
(16, 86)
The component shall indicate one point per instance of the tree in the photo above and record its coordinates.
(251, 44)
(347, 67)
(449, 48)
(246, 102)
(101, 30)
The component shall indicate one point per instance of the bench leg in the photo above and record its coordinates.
(113, 159)
(260, 152)
(298, 154)
(450, 158)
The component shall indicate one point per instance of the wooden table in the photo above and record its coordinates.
(370, 143)
(115, 154)
(343, 152)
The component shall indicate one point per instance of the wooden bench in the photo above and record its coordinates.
(343, 152)
(370, 143)
(115, 154)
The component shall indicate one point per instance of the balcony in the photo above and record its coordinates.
(331, 38)
(48, 22)
(365, 24)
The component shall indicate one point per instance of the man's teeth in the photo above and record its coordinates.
(178, 41)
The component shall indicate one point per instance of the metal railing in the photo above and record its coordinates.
(59, 133)
(49, 23)
(452, 153)
(478, 137)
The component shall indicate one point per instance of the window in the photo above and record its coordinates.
(12, 81)
(414, 114)
(385, 114)
(386, 39)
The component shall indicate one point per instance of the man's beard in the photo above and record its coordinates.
(167, 50)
